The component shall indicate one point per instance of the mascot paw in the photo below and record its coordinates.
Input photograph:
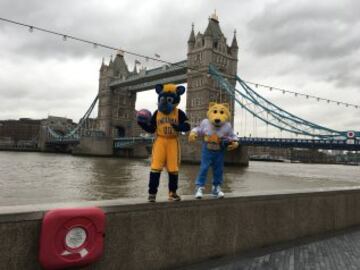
(192, 137)
(143, 116)
(176, 127)
(232, 146)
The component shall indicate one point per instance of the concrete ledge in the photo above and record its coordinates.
(164, 235)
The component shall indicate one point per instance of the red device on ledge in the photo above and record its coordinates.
(71, 237)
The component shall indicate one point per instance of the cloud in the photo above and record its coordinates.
(324, 36)
(138, 26)
(321, 29)
(50, 88)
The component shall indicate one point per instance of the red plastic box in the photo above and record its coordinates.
(71, 237)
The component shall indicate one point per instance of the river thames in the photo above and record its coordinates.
(32, 178)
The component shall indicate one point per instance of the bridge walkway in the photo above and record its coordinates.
(331, 252)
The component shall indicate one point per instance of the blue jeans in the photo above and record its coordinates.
(215, 159)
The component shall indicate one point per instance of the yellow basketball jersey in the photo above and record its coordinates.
(164, 121)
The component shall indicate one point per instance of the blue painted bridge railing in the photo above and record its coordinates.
(350, 145)
(64, 141)
(332, 144)
(128, 142)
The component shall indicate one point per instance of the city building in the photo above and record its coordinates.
(61, 125)
(14, 131)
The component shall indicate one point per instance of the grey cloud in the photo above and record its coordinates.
(148, 27)
(40, 108)
(345, 73)
(132, 25)
(307, 29)
(7, 92)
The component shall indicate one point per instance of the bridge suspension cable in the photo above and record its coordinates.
(95, 44)
(307, 96)
(157, 58)
(271, 114)
(74, 133)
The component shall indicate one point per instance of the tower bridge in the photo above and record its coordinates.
(210, 71)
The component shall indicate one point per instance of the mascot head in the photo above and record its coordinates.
(218, 113)
(169, 96)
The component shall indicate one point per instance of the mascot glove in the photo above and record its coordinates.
(180, 128)
(143, 121)
(176, 127)
(192, 136)
(232, 146)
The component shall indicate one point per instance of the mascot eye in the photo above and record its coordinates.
(221, 112)
(170, 99)
(215, 111)
(161, 100)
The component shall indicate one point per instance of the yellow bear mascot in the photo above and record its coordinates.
(218, 136)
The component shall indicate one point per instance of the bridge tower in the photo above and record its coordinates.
(105, 97)
(116, 112)
(204, 49)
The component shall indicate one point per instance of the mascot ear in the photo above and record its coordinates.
(159, 88)
(180, 90)
(211, 104)
(226, 105)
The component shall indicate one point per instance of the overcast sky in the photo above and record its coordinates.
(308, 46)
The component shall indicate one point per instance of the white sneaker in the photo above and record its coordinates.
(199, 192)
(216, 191)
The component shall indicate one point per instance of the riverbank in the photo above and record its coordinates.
(16, 149)
(298, 161)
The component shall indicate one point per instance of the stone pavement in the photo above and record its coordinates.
(336, 252)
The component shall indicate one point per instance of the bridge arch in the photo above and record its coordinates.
(120, 131)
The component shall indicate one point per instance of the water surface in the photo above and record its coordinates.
(27, 178)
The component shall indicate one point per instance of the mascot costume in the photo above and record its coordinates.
(218, 135)
(166, 122)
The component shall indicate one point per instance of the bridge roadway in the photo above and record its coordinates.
(351, 145)
(340, 251)
(129, 142)
(354, 145)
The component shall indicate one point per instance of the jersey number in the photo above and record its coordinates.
(168, 130)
